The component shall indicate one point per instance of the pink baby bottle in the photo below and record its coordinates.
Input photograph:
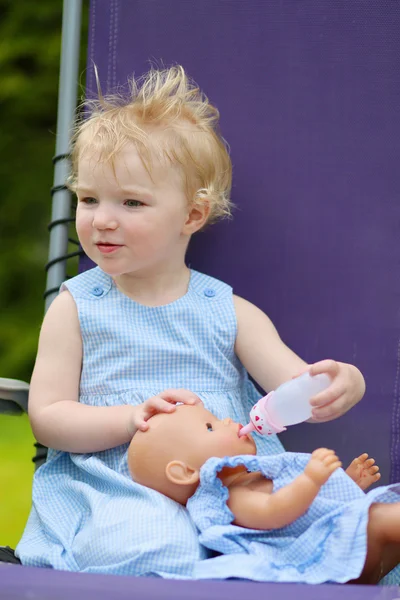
(287, 405)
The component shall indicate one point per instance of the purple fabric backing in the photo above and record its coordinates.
(308, 93)
(17, 583)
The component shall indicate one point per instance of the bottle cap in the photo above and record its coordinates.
(261, 419)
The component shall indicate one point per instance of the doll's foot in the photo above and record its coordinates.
(363, 471)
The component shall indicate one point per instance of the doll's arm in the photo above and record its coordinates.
(258, 510)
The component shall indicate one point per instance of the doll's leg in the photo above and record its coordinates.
(383, 542)
(363, 471)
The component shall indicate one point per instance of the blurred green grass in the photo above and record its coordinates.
(16, 472)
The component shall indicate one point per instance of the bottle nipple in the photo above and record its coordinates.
(246, 429)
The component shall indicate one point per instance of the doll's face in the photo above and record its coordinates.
(185, 439)
(201, 435)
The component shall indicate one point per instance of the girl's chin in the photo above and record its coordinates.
(112, 268)
(113, 272)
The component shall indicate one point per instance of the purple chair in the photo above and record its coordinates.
(308, 93)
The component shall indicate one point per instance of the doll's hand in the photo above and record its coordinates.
(347, 388)
(164, 402)
(363, 471)
(321, 465)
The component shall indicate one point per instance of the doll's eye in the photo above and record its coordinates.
(209, 427)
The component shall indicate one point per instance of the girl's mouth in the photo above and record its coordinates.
(106, 248)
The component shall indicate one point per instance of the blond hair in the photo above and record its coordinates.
(163, 100)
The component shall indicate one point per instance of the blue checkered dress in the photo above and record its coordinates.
(326, 544)
(87, 514)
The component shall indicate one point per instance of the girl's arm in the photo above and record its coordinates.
(57, 418)
(260, 349)
(270, 362)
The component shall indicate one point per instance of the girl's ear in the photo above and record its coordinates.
(197, 216)
(180, 473)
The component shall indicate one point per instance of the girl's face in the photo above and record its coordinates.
(128, 222)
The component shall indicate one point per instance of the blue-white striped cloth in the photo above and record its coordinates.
(87, 514)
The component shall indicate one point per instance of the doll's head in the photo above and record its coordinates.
(168, 456)
(170, 123)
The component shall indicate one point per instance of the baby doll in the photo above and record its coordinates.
(290, 517)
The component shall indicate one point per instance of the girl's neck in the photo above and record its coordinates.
(155, 289)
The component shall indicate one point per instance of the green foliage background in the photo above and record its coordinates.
(30, 44)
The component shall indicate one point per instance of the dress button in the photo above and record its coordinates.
(210, 293)
(97, 291)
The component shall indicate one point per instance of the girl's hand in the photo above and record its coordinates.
(165, 402)
(347, 388)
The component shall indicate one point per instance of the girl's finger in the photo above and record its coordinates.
(184, 396)
(330, 367)
(331, 394)
(329, 411)
(143, 426)
(300, 373)
(157, 404)
(139, 421)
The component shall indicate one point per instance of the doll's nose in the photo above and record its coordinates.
(227, 422)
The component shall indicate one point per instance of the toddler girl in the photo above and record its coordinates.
(142, 332)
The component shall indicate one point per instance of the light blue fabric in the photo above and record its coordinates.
(87, 515)
(326, 544)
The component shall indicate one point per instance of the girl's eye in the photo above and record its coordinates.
(133, 203)
(88, 200)
(209, 427)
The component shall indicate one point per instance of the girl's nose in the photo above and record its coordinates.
(104, 218)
